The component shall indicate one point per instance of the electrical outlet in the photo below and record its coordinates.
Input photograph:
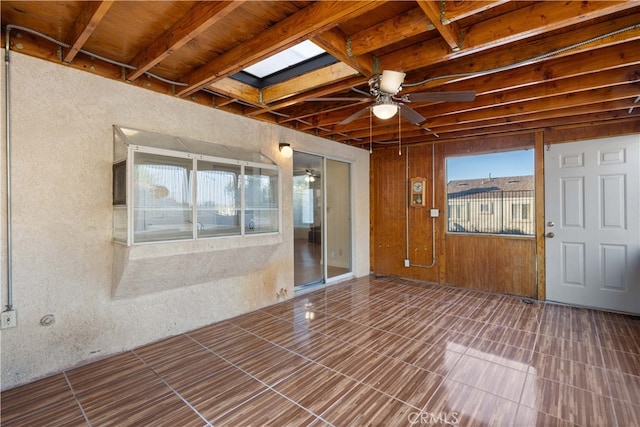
(407, 263)
(8, 319)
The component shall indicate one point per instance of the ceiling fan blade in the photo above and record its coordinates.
(467, 95)
(338, 98)
(361, 92)
(354, 116)
(411, 115)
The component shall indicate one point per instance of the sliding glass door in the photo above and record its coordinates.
(321, 219)
(338, 213)
(307, 218)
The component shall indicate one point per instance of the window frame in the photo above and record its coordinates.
(495, 209)
(195, 158)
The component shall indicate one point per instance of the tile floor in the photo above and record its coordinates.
(372, 351)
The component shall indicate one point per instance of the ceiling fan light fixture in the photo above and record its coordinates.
(391, 81)
(385, 111)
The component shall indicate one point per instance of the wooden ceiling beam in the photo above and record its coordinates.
(591, 101)
(450, 32)
(580, 64)
(617, 110)
(85, 24)
(393, 30)
(516, 26)
(451, 11)
(236, 90)
(540, 90)
(306, 82)
(583, 65)
(412, 23)
(313, 19)
(198, 19)
(316, 93)
(316, 108)
(548, 104)
(332, 118)
(592, 131)
(335, 42)
(582, 57)
(617, 64)
(535, 90)
(499, 123)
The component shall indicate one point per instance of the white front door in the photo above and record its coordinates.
(592, 192)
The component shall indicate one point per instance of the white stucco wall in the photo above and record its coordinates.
(61, 131)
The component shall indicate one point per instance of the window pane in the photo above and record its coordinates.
(491, 193)
(261, 200)
(162, 207)
(218, 198)
(302, 201)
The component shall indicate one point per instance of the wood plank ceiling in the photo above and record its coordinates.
(532, 65)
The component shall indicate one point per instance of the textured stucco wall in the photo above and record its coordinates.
(61, 122)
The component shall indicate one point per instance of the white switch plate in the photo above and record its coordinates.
(8, 319)
(435, 213)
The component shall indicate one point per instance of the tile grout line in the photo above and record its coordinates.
(533, 349)
(446, 377)
(175, 392)
(268, 325)
(358, 381)
(75, 397)
(440, 315)
(604, 369)
(268, 387)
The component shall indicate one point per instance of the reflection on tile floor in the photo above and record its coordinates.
(371, 351)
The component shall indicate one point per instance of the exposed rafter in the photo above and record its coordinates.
(202, 16)
(527, 62)
(317, 17)
(86, 23)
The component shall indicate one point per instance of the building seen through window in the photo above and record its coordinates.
(491, 204)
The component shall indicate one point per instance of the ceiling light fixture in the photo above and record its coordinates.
(285, 149)
(385, 111)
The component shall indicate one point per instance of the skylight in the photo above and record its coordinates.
(285, 59)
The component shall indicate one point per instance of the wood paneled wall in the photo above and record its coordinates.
(506, 264)
(472, 261)
(390, 213)
(492, 263)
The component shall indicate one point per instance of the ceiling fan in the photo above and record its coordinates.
(382, 92)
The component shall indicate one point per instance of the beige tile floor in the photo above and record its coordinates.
(372, 351)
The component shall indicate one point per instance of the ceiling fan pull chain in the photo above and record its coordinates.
(399, 133)
(370, 132)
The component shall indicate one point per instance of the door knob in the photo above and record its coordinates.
(551, 224)
(550, 235)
